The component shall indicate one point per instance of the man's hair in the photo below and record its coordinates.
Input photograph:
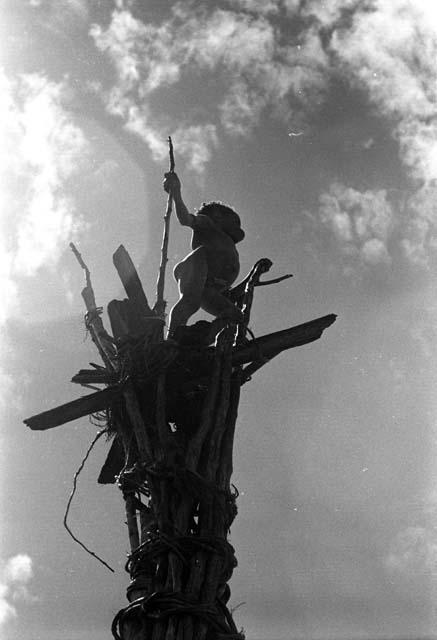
(208, 207)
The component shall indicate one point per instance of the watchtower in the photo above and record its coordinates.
(170, 411)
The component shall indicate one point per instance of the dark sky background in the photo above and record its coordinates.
(317, 121)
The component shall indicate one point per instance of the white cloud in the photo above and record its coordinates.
(42, 149)
(196, 142)
(420, 238)
(18, 569)
(7, 611)
(361, 222)
(241, 108)
(384, 47)
(240, 55)
(15, 575)
(375, 252)
(413, 552)
(58, 9)
(390, 50)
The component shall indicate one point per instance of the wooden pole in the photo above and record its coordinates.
(161, 304)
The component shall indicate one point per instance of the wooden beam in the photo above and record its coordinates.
(263, 348)
(92, 376)
(118, 318)
(73, 410)
(113, 464)
(131, 281)
(268, 346)
(259, 351)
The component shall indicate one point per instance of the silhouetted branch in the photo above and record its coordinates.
(69, 411)
(131, 281)
(93, 321)
(160, 304)
(262, 283)
(268, 346)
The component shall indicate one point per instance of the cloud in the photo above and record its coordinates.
(7, 611)
(18, 569)
(389, 51)
(413, 553)
(57, 10)
(42, 150)
(263, 7)
(361, 222)
(382, 47)
(241, 57)
(16, 573)
(196, 143)
(419, 241)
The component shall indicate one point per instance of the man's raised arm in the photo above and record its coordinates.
(172, 185)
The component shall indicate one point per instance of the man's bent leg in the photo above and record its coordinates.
(218, 305)
(191, 274)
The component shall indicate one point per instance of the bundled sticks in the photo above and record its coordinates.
(180, 570)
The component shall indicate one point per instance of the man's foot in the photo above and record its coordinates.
(197, 334)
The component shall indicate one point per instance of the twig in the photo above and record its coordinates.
(246, 305)
(237, 606)
(262, 283)
(76, 475)
(93, 321)
(83, 265)
(160, 302)
(171, 154)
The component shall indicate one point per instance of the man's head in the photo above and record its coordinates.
(225, 218)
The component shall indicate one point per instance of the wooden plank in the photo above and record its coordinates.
(258, 351)
(114, 462)
(271, 344)
(131, 281)
(92, 376)
(118, 319)
(73, 410)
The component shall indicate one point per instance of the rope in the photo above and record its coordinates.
(158, 606)
(183, 546)
(76, 475)
(136, 479)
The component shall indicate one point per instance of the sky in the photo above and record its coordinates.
(317, 122)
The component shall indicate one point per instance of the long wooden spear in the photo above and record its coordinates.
(160, 302)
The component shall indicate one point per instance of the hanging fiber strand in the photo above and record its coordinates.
(76, 475)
